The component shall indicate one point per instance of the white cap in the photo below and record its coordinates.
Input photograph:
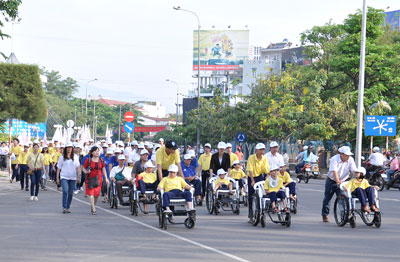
(260, 146)
(103, 141)
(144, 151)
(109, 151)
(228, 145)
(221, 145)
(121, 157)
(141, 145)
(148, 164)
(45, 146)
(273, 144)
(77, 145)
(57, 146)
(282, 164)
(192, 153)
(345, 150)
(146, 143)
(134, 143)
(36, 141)
(91, 140)
(221, 171)
(121, 143)
(375, 149)
(150, 146)
(187, 156)
(161, 139)
(157, 146)
(105, 146)
(69, 144)
(117, 151)
(26, 145)
(305, 147)
(207, 145)
(173, 168)
(235, 162)
(273, 167)
(30, 142)
(360, 170)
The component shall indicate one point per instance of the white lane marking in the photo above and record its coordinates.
(163, 231)
(381, 198)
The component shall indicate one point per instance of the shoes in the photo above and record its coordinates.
(200, 203)
(44, 189)
(67, 211)
(36, 198)
(168, 211)
(64, 211)
(32, 198)
(22, 188)
(325, 218)
(26, 189)
(76, 192)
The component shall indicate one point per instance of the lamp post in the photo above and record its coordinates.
(178, 8)
(95, 79)
(177, 98)
(360, 106)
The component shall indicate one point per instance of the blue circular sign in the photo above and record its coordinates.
(129, 127)
(241, 137)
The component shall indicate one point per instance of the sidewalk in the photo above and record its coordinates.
(5, 185)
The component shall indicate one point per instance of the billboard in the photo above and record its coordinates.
(294, 55)
(20, 126)
(393, 19)
(220, 49)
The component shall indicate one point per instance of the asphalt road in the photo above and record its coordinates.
(38, 231)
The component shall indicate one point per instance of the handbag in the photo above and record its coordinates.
(30, 171)
(119, 176)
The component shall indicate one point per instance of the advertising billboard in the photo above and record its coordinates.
(393, 19)
(20, 126)
(220, 49)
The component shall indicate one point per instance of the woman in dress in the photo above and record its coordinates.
(95, 168)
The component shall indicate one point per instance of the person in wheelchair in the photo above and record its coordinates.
(287, 181)
(121, 175)
(222, 182)
(189, 173)
(238, 174)
(272, 187)
(360, 188)
(173, 187)
(147, 181)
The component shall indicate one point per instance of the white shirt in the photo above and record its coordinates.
(127, 151)
(4, 150)
(133, 156)
(68, 168)
(376, 159)
(342, 168)
(286, 158)
(274, 160)
(126, 172)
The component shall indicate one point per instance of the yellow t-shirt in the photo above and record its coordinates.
(258, 167)
(31, 150)
(148, 178)
(47, 159)
(273, 189)
(32, 160)
(237, 174)
(224, 181)
(354, 184)
(233, 157)
(285, 177)
(52, 150)
(166, 160)
(56, 156)
(169, 183)
(16, 150)
(22, 158)
(205, 161)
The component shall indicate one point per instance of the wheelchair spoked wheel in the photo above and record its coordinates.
(235, 208)
(189, 222)
(288, 220)
(368, 218)
(341, 210)
(210, 201)
(255, 210)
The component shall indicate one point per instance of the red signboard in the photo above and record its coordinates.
(129, 116)
(217, 67)
(139, 129)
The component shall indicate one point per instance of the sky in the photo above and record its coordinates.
(133, 46)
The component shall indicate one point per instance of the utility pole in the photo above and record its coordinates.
(119, 127)
(94, 118)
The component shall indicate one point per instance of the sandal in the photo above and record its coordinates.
(275, 210)
(286, 210)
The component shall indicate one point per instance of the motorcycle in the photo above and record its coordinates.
(306, 173)
(394, 181)
(315, 170)
(377, 177)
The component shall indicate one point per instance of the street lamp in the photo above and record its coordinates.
(360, 106)
(177, 98)
(86, 92)
(178, 8)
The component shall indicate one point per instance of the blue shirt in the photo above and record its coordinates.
(188, 171)
(84, 159)
(113, 160)
(194, 163)
(106, 162)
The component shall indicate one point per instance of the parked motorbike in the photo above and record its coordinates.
(394, 181)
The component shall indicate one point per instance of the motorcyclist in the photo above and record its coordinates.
(376, 160)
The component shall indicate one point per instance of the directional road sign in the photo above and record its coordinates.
(241, 137)
(129, 127)
(70, 123)
(129, 116)
(380, 125)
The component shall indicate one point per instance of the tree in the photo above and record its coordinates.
(8, 10)
(62, 88)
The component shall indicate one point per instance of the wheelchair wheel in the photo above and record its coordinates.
(378, 219)
(235, 208)
(189, 223)
(352, 221)
(262, 221)
(255, 210)
(341, 210)
(164, 221)
(368, 218)
(293, 206)
(210, 201)
(288, 220)
(134, 208)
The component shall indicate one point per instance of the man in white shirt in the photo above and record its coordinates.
(120, 181)
(340, 167)
(274, 158)
(376, 160)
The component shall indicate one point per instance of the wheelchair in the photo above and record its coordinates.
(346, 207)
(222, 198)
(137, 203)
(262, 206)
(178, 208)
(127, 194)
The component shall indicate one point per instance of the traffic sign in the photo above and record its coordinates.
(70, 130)
(380, 125)
(129, 116)
(129, 127)
(70, 123)
(241, 137)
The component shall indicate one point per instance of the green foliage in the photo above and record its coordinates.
(62, 88)
(9, 11)
(21, 93)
